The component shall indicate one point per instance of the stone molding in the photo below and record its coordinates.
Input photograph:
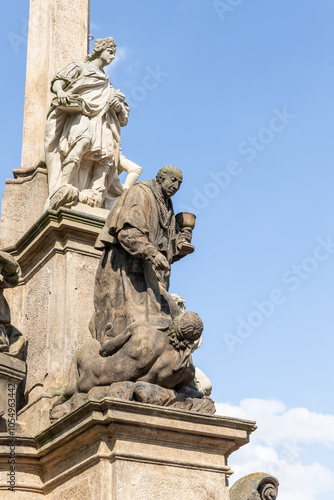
(53, 302)
(112, 438)
(12, 368)
(55, 232)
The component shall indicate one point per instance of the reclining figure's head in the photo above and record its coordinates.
(185, 330)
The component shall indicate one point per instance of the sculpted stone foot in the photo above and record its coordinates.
(65, 195)
(118, 390)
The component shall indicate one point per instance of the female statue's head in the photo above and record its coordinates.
(101, 44)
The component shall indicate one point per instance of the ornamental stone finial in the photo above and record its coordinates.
(258, 486)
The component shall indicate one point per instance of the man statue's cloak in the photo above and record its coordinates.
(127, 287)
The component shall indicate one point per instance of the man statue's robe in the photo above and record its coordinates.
(127, 287)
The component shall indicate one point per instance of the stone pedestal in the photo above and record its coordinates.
(116, 450)
(12, 372)
(53, 303)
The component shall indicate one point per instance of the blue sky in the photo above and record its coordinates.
(240, 96)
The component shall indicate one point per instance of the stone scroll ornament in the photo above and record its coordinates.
(83, 134)
(258, 486)
(142, 339)
(11, 340)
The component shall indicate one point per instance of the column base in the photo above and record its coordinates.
(126, 451)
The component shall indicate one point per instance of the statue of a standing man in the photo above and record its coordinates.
(82, 138)
(141, 239)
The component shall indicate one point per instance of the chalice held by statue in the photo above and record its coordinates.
(186, 223)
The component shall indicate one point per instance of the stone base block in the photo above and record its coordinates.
(22, 203)
(116, 450)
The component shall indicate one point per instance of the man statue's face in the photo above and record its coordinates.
(171, 183)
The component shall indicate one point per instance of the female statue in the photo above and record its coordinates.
(82, 139)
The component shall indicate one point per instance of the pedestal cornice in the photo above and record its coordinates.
(56, 231)
(109, 440)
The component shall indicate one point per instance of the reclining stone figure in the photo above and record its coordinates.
(160, 361)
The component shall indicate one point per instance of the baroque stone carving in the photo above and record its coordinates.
(141, 240)
(258, 486)
(142, 340)
(11, 340)
(82, 138)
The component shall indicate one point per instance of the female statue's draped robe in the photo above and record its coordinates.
(127, 288)
(96, 121)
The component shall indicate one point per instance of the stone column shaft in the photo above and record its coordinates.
(58, 35)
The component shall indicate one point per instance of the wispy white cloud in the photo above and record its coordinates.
(279, 447)
(93, 26)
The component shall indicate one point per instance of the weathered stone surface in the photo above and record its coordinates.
(53, 302)
(12, 372)
(258, 486)
(142, 352)
(115, 450)
(11, 340)
(201, 381)
(140, 241)
(154, 394)
(22, 204)
(35, 416)
(141, 333)
(122, 390)
(143, 392)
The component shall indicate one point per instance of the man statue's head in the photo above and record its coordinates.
(170, 179)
